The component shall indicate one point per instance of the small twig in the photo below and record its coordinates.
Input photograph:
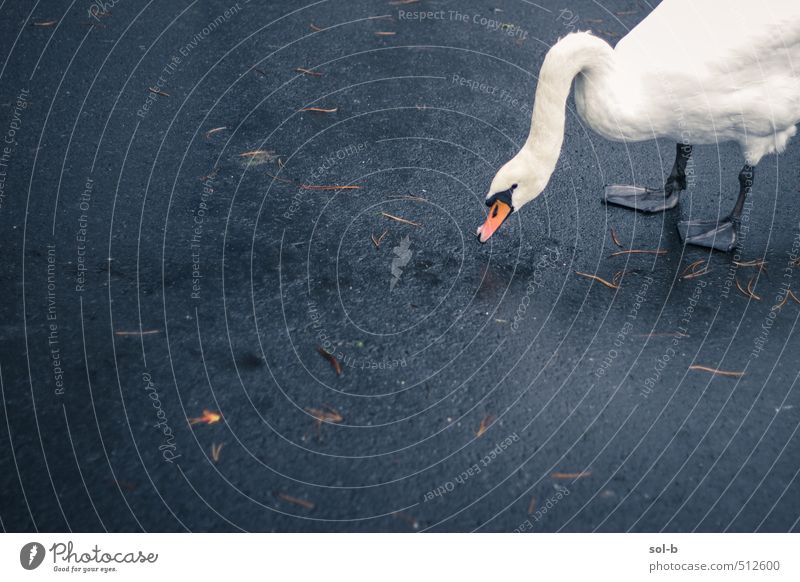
(260, 71)
(532, 506)
(750, 283)
(614, 237)
(256, 153)
(638, 252)
(598, 279)
(333, 360)
(664, 334)
(408, 197)
(315, 28)
(385, 33)
(693, 270)
(716, 371)
(45, 23)
(158, 91)
(581, 475)
(789, 293)
(328, 187)
(486, 422)
(308, 72)
(377, 242)
(138, 333)
(305, 503)
(398, 219)
(211, 132)
(319, 109)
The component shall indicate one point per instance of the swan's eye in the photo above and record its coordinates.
(513, 186)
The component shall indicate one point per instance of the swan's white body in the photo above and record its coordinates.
(696, 71)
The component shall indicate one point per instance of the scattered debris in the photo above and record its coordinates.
(208, 417)
(158, 91)
(598, 279)
(315, 28)
(377, 241)
(304, 503)
(486, 422)
(638, 252)
(319, 109)
(260, 71)
(627, 12)
(215, 451)
(385, 33)
(412, 521)
(138, 333)
(716, 371)
(211, 132)
(45, 23)
(398, 219)
(581, 475)
(614, 238)
(324, 415)
(402, 2)
(532, 506)
(332, 360)
(308, 72)
(695, 269)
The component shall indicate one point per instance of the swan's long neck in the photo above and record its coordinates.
(574, 54)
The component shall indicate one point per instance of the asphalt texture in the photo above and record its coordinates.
(163, 255)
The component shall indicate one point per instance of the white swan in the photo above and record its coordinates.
(699, 72)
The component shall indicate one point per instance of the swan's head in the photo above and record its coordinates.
(514, 185)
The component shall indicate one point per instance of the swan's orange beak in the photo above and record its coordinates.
(498, 213)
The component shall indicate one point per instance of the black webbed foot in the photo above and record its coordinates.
(709, 233)
(642, 199)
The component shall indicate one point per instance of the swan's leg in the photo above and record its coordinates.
(651, 199)
(719, 235)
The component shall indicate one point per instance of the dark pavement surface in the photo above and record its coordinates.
(151, 271)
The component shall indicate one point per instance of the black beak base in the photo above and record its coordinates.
(504, 196)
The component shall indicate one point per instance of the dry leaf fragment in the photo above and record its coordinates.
(305, 503)
(486, 422)
(332, 360)
(208, 417)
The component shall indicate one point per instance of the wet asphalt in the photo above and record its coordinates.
(165, 255)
